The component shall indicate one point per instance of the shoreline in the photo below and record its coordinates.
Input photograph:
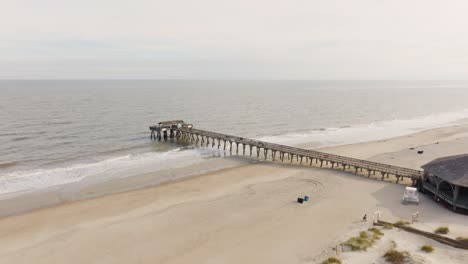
(246, 213)
(18, 203)
(41, 178)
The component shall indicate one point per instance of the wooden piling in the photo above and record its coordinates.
(183, 132)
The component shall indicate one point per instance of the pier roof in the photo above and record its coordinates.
(453, 169)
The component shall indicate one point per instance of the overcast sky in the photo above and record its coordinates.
(235, 39)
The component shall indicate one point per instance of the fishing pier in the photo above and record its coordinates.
(180, 131)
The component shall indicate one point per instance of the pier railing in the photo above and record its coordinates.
(208, 138)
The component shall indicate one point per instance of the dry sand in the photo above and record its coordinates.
(246, 214)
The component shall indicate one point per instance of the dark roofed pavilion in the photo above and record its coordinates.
(447, 179)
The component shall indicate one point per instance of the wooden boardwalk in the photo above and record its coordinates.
(184, 132)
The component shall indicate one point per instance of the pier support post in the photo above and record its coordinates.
(397, 178)
(311, 159)
(243, 149)
(237, 148)
(230, 147)
(258, 152)
(292, 157)
(368, 173)
(224, 145)
(282, 156)
(265, 152)
(250, 150)
(355, 170)
(321, 163)
(333, 164)
(383, 175)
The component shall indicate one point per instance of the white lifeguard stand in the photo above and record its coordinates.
(410, 196)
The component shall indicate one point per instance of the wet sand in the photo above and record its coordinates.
(245, 214)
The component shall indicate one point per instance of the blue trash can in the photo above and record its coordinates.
(306, 198)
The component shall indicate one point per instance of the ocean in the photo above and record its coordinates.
(55, 132)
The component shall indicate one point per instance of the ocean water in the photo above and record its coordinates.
(59, 132)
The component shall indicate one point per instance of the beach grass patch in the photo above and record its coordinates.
(363, 241)
(388, 226)
(363, 235)
(402, 222)
(375, 237)
(396, 257)
(376, 231)
(358, 243)
(427, 248)
(442, 230)
(332, 260)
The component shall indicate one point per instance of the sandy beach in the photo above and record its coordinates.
(243, 214)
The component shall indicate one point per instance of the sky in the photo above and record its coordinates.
(241, 39)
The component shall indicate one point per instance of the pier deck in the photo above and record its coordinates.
(181, 131)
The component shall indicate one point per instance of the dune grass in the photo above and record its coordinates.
(363, 235)
(427, 248)
(395, 257)
(331, 260)
(358, 243)
(376, 231)
(364, 240)
(388, 226)
(402, 222)
(442, 230)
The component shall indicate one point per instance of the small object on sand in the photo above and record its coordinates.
(300, 200)
(364, 219)
(306, 198)
(411, 148)
(420, 151)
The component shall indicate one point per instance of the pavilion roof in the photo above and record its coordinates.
(453, 169)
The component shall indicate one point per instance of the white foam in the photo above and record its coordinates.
(369, 132)
(129, 165)
(124, 166)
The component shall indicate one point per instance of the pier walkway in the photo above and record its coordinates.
(179, 130)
